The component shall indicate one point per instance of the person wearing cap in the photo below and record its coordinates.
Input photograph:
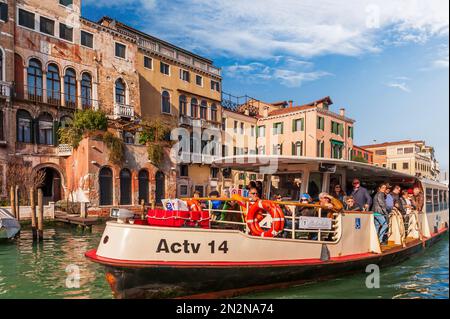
(305, 211)
(361, 195)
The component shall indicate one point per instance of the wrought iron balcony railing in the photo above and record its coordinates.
(5, 90)
(123, 110)
(54, 97)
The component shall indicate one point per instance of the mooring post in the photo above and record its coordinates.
(17, 203)
(40, 214)
(33, 213)
(12, 199)
(143, 209)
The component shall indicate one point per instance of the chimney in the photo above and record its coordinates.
(291, 103)
(247, 112)
(266, 112)
(342, 112)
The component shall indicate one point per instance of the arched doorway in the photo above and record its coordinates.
(159, 187)
(105, 180)
(143, 185)
(125, 187)
(52, 187)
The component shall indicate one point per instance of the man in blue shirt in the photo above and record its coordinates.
(389, 198)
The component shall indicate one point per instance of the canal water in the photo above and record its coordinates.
(28, 270)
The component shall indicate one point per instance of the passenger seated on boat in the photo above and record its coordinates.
(305, 211)
(215, 204)
(325, 201)
(350, 205)
(259, 187)
(381, 215)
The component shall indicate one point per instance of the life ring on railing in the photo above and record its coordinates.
(255, 215)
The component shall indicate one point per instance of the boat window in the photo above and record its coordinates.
(442, 199)
(429, 200)
(287, 185)
(435, 200)
(315, 185)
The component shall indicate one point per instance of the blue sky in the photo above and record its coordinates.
(385, 61)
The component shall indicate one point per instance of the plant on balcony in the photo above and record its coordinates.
(115, 146)
(155, 134)
(85, 121)
(359, 159)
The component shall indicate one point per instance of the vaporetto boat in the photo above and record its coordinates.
(172, 254)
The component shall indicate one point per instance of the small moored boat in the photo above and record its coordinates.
(9, 226)
(192, 253)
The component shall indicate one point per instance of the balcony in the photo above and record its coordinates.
(123, 111)
(185, 120)
(5, 90)
(64, 150)
(177, 55)
(53, 97)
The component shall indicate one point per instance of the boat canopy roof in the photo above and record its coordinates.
(279, 164)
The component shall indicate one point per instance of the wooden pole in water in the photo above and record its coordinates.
(143, 209)
(12, 199)
(17, 203)
(40, 215)
(33, 213)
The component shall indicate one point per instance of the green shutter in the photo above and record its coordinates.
(294, 125)
(341, 130)
(282, 125)
(274, 129)
(293, 148)
(302, 123)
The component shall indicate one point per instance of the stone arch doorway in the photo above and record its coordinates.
(143, 185)
(52, 187)
(125, 187)
(105, 180)
(159, 187)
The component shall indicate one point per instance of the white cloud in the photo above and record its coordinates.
(306, 28)
(284, 72)
(399, 85)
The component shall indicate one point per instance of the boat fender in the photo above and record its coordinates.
(255, 215)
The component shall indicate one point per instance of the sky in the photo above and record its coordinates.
(385, 61)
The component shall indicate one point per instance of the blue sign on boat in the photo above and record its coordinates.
(357, 223)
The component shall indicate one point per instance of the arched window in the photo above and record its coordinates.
(203, 109)
(105, 179)
(297, 149)
(183, 105)
(34, 80)
(165, 102)
(120, 92)
(86, 91)
(70, 88)
(125, 187)
(194, 108)
(24, 126)
(143, 185)
(213, 112)
(45, 122)
(53, 85)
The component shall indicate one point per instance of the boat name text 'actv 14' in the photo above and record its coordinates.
(187, 247)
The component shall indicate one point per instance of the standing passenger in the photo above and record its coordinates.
(389, 199)
(418, 199)
(381, 214)
(361, 195)
(338, 193)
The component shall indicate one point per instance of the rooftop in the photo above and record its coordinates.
(392, 143)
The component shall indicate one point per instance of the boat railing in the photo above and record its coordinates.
(236, 219)
(409, 227)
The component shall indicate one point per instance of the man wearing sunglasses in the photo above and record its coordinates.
(361, 195)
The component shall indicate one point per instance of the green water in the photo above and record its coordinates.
(28, 270)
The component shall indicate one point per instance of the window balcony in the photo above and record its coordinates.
(123, 111)
(53, 97)
(5, 90)
(185, 120)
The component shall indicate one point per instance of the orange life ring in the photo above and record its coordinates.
(255, 215)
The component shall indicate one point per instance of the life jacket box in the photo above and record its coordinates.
(175, 218)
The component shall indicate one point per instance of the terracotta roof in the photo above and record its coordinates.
(361, 148)
(391, 143)
(291, 110)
